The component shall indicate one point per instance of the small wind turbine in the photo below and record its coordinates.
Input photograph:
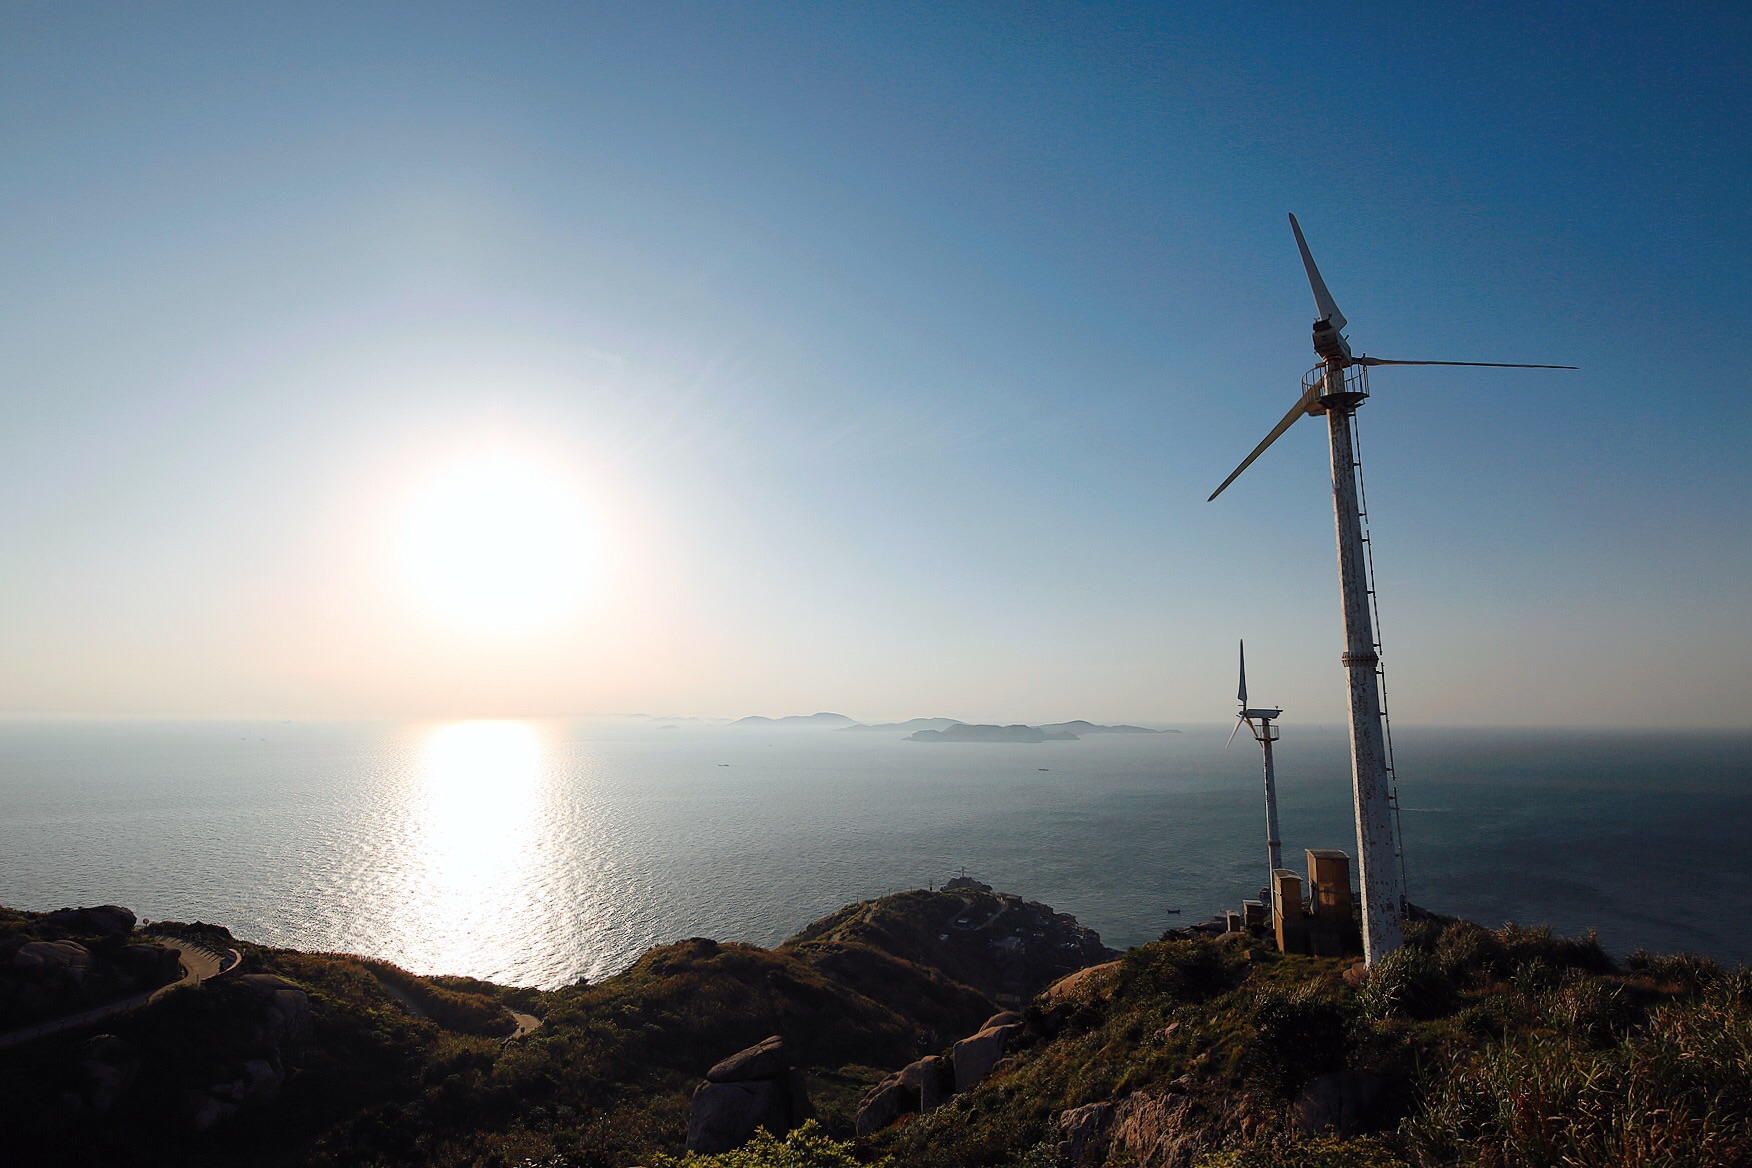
(1336, 387)
(1265, 734)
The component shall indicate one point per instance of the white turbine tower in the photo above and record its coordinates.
(1259, 722)
(1336, 387)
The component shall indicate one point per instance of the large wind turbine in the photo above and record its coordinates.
(1259, 722)
(1336, 387)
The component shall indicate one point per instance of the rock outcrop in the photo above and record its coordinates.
(67, 961)
(251, 1083)
(928, 1083)
(107, 1069)
(285, 1019)
(975, 1056)
(754, 1088)
(1149, 1131)
(916, 1087)
(104, 920)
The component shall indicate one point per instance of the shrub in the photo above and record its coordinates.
(1186, 971)
(1469, 954)
(1407, 983)
(806, 1147)
(1684, 972)
(1301, 1033)
(1538, 944)
(1319, 1152)
(1676, 1091)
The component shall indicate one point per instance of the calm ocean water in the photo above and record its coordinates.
(536, 853)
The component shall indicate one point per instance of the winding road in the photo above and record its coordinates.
(198, 963)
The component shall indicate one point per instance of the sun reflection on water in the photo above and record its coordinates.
(478, 796)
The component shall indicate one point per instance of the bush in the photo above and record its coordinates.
(1185, 971)
(806, 1147)
(1683, 972)
(1521, 945)
(1675, 1091)
(1319, 1152)
(1407, 983)
(1301, 1033)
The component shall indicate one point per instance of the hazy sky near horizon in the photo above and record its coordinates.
(868, 358)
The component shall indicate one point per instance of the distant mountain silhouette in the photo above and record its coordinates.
(756, 722)
(910, 724)
(1080, 728)
(961, 732)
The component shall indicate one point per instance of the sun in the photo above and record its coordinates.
(497, 543)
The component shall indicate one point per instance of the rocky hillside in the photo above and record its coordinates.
(880, 1027)
(333, 1059)
(1466, 1047)
(52, 964)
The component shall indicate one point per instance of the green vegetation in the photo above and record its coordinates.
(1493, 1048)
(807, 1147)
(1488, 1048)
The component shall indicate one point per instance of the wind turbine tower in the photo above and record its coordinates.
(1259, 722)
(1336, 387)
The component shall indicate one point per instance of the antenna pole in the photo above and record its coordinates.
(1377, 863)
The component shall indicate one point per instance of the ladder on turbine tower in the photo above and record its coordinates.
(1356, 380)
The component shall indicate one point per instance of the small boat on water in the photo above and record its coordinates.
(1173, 912)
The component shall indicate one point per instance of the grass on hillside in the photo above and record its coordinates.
(1505, 1047)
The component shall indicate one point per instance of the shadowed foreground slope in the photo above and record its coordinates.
(1468, 1047)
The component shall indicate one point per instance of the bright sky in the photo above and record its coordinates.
(770, 358)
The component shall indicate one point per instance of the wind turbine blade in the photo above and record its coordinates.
(1296, 411)
(1243, 694)
(1232, 733)
(1474, 364)
(1322, 298)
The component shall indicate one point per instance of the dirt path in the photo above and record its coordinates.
(524, 1022)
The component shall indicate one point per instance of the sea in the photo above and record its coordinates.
(542, 852)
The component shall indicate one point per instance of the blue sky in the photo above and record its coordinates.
(890, 353)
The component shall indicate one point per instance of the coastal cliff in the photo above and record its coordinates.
(936, 1028)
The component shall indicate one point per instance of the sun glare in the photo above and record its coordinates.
(497, 544)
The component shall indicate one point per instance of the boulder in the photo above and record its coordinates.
(261, 1081)
(766, 1059)
(108, 1065)
(975, 1056)
(64, 959)
(1347, 1102)
(103, 920)
(286, 1008)
(1095, 982)
(883, 1104)
(204, 1112)
(725, 1115)
(916, 1087)
(932, 1077)
(149, 965)
(754, 1088)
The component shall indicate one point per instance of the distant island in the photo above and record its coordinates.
(1081, 728)
(1051, 732)
(943, 729)
(962, 732)
(794, 721)
(905, 727)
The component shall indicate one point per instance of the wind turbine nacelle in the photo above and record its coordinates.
(1329, 342)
